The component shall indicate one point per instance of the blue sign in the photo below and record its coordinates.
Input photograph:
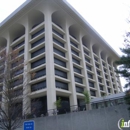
(28, 125)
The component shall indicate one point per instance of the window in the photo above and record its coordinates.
(38, 52)
(106, 76)
(77, 70)
(38, 74)
(59, 52)
(100, 80)
(88, 60)
(59, 34)
(74, 44)
(79, 89)
(74, 52)
(1, 80)
(18, 62)
(17, 72)
(109, 68)
(35, 25)
(86, 52)
(90, 76)
(91, 84)
(112, 80)
(109, 90)
(59, 62)
(18, 92)
(38, 86)
(85, 45)
(93, 93)
(38, 42)
(78, 80)
(60, 73)
(58, 25)
(105, 70)
(101, 87)
(76, 61)
(115, 92)
(17, 82)
(98, 72)
(103, 64)
(96, 59)
(21, 52)
(38, 63)
(1, 88)
(61, 85)
(107, 83)
(58, 42)
(113, 86)
(88, 67)
(18, 45)
(97, 65)
(38, 33)
(111, 74)
(73, 36)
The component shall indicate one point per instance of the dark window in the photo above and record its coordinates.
(97, 65)
(58, 25)
(85, 45)
(18, 62)
(38, 86)
(107, 83)
(38, 63)
(91, 84)
(113, 86)
(101, 87)
(38, 33)
(0, 97)
(18, 92)
(105, 70)
(106, 76)
(73, 36)
(17, 82)
(96, 59)
(88, 60)
(59, 52)
(38, 74)
(98, 73)
(112, 80)
(115, 92)
(18, 45)
(60, 73)
(109, 68)
(88, 67)
(17, 72)
(90, 76)
(111, 74)
(74, 52)
(59, 34)
(17, 38)
(1, 88)
(78, 80)
(74, 44)
(79, 89)
(61, 85)
(1, 80)
(100, 80)
(86, 52)
(103, 64)
(21, 52)
(38, 52)
(77, 70)
(37, 42)
(109, 90)
(59, 62)
(76, 61)
(58, 42)
(93, 93)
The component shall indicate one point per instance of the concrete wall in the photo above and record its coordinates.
(101, 119)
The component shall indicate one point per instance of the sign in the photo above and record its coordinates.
(28, 125)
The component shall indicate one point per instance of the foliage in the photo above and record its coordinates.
(58, 103)
(124, 62)
(86, 97)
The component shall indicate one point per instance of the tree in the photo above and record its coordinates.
(13, 81)
(87, 99)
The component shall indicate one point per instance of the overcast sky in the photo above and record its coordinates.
(108, 17)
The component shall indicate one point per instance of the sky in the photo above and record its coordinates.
(107, 17)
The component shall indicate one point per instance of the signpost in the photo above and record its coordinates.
(28, 125)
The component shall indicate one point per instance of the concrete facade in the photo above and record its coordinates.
(99, 119)
(54, 39)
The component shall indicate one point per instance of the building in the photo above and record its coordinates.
(66, 53)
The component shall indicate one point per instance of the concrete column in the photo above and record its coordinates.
(94, 69)
(26, 87)
(72, 89)
(50, 81)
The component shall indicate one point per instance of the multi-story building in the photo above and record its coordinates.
(67, 55)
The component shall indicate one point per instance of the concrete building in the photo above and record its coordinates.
(66, 53)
